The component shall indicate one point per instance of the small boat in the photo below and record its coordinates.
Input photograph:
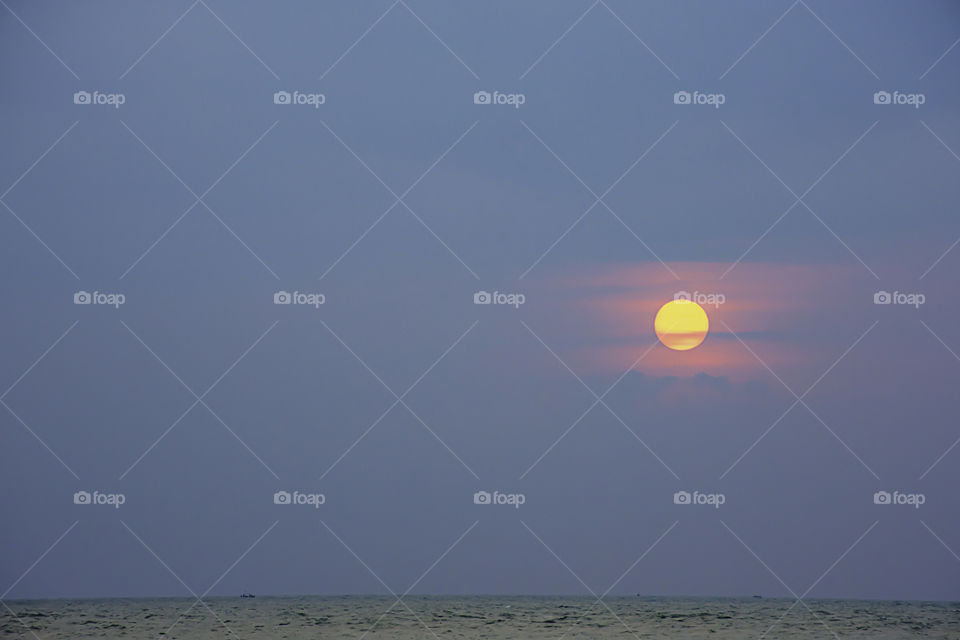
(247, 595)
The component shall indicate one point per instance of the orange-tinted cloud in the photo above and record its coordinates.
(775, 309)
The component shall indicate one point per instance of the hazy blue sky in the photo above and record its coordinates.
(199, 198)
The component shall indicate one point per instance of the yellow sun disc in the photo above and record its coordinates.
(681, 324)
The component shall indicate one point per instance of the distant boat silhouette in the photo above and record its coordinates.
(247, 595)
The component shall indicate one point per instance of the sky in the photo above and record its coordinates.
(291, 289)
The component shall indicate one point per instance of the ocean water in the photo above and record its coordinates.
(477, 617)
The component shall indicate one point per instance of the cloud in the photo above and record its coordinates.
(761, 315)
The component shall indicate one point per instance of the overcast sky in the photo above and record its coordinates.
(593, 189)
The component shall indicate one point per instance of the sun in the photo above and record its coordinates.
(681, 324)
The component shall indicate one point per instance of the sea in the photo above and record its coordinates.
(477, 617)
